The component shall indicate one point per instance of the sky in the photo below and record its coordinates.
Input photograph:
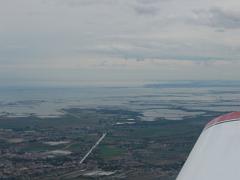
(116, 41)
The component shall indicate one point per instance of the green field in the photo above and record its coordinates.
(108, 152)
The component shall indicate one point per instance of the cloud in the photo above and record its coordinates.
(218, 18)
(146, 10)
(82, 34)
(150, 1)
(141, 7)
(148, 7)
(161, 49)
(81, 3)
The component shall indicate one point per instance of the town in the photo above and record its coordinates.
(122, 145)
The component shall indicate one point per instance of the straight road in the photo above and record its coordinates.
(95, 145)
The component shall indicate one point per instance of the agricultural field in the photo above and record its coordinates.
(53, 147)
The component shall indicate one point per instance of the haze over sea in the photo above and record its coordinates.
(172, 100)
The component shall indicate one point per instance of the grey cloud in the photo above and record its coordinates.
(162, 49)
(59, 30)
(92, 2)
(141, 7)
(77, 3)
(146, 10)
(216, 17)
(147, 7)
(150, 1)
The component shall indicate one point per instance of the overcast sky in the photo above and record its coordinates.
(89, 41)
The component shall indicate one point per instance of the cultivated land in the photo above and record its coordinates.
(52, 148)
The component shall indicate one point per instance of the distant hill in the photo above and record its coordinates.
(193, 84)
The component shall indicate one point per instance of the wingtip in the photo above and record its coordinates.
(233, 116)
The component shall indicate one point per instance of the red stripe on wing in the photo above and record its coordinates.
(233, 116)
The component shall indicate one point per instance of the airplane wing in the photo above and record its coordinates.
(216, 154)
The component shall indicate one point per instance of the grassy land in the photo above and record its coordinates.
(109, 152)
(144, 150)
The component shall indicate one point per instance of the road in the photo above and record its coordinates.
(95, 145)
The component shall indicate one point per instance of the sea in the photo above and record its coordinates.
(174, 100)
